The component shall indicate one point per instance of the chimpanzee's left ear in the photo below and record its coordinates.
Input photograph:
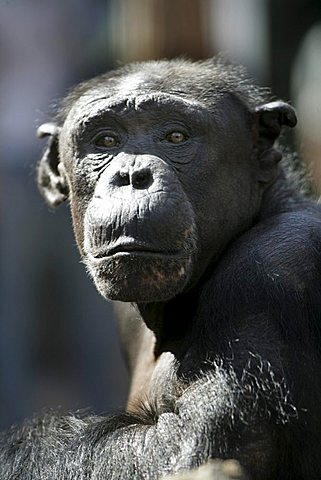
(270, 119)
(52, 181)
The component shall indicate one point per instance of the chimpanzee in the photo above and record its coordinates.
(182, 209)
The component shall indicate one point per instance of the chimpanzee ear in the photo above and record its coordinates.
(52, 181)
(270, 119)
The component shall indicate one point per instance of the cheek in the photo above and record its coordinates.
(78, 208)
(78, 226)
(226, 200)
(82, 188)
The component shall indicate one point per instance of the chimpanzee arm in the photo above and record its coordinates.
(214, 417)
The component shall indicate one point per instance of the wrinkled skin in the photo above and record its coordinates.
(183, 214)
(158, 203)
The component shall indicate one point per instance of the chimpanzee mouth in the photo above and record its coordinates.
(133, 248)
(132, 270)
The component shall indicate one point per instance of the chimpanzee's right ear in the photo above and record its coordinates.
(52, 180)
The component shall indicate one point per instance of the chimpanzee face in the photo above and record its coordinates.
(158, 182)
(133, 220)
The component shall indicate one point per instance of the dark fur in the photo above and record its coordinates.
(203, 80)
(236, 370)
(177, 434)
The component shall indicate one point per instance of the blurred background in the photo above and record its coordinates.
(58, 339)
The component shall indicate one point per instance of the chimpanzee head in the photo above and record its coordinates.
(164, 163)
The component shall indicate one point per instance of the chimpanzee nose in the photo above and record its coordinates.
(140, 178)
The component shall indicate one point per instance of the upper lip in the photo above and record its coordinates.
(126, 246)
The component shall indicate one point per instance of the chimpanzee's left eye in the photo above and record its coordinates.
(176, 137)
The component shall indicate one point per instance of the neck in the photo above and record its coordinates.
(171, 322)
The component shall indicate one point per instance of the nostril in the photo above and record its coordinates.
(142, 178)
(122, 178)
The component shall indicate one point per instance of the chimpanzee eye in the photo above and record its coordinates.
(107, 141)
(176, 137)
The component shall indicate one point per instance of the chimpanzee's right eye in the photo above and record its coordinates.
(106, 140)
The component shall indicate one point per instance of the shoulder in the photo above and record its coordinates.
(278, 258)
(286, 240)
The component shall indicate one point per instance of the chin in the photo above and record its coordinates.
(140, 278)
